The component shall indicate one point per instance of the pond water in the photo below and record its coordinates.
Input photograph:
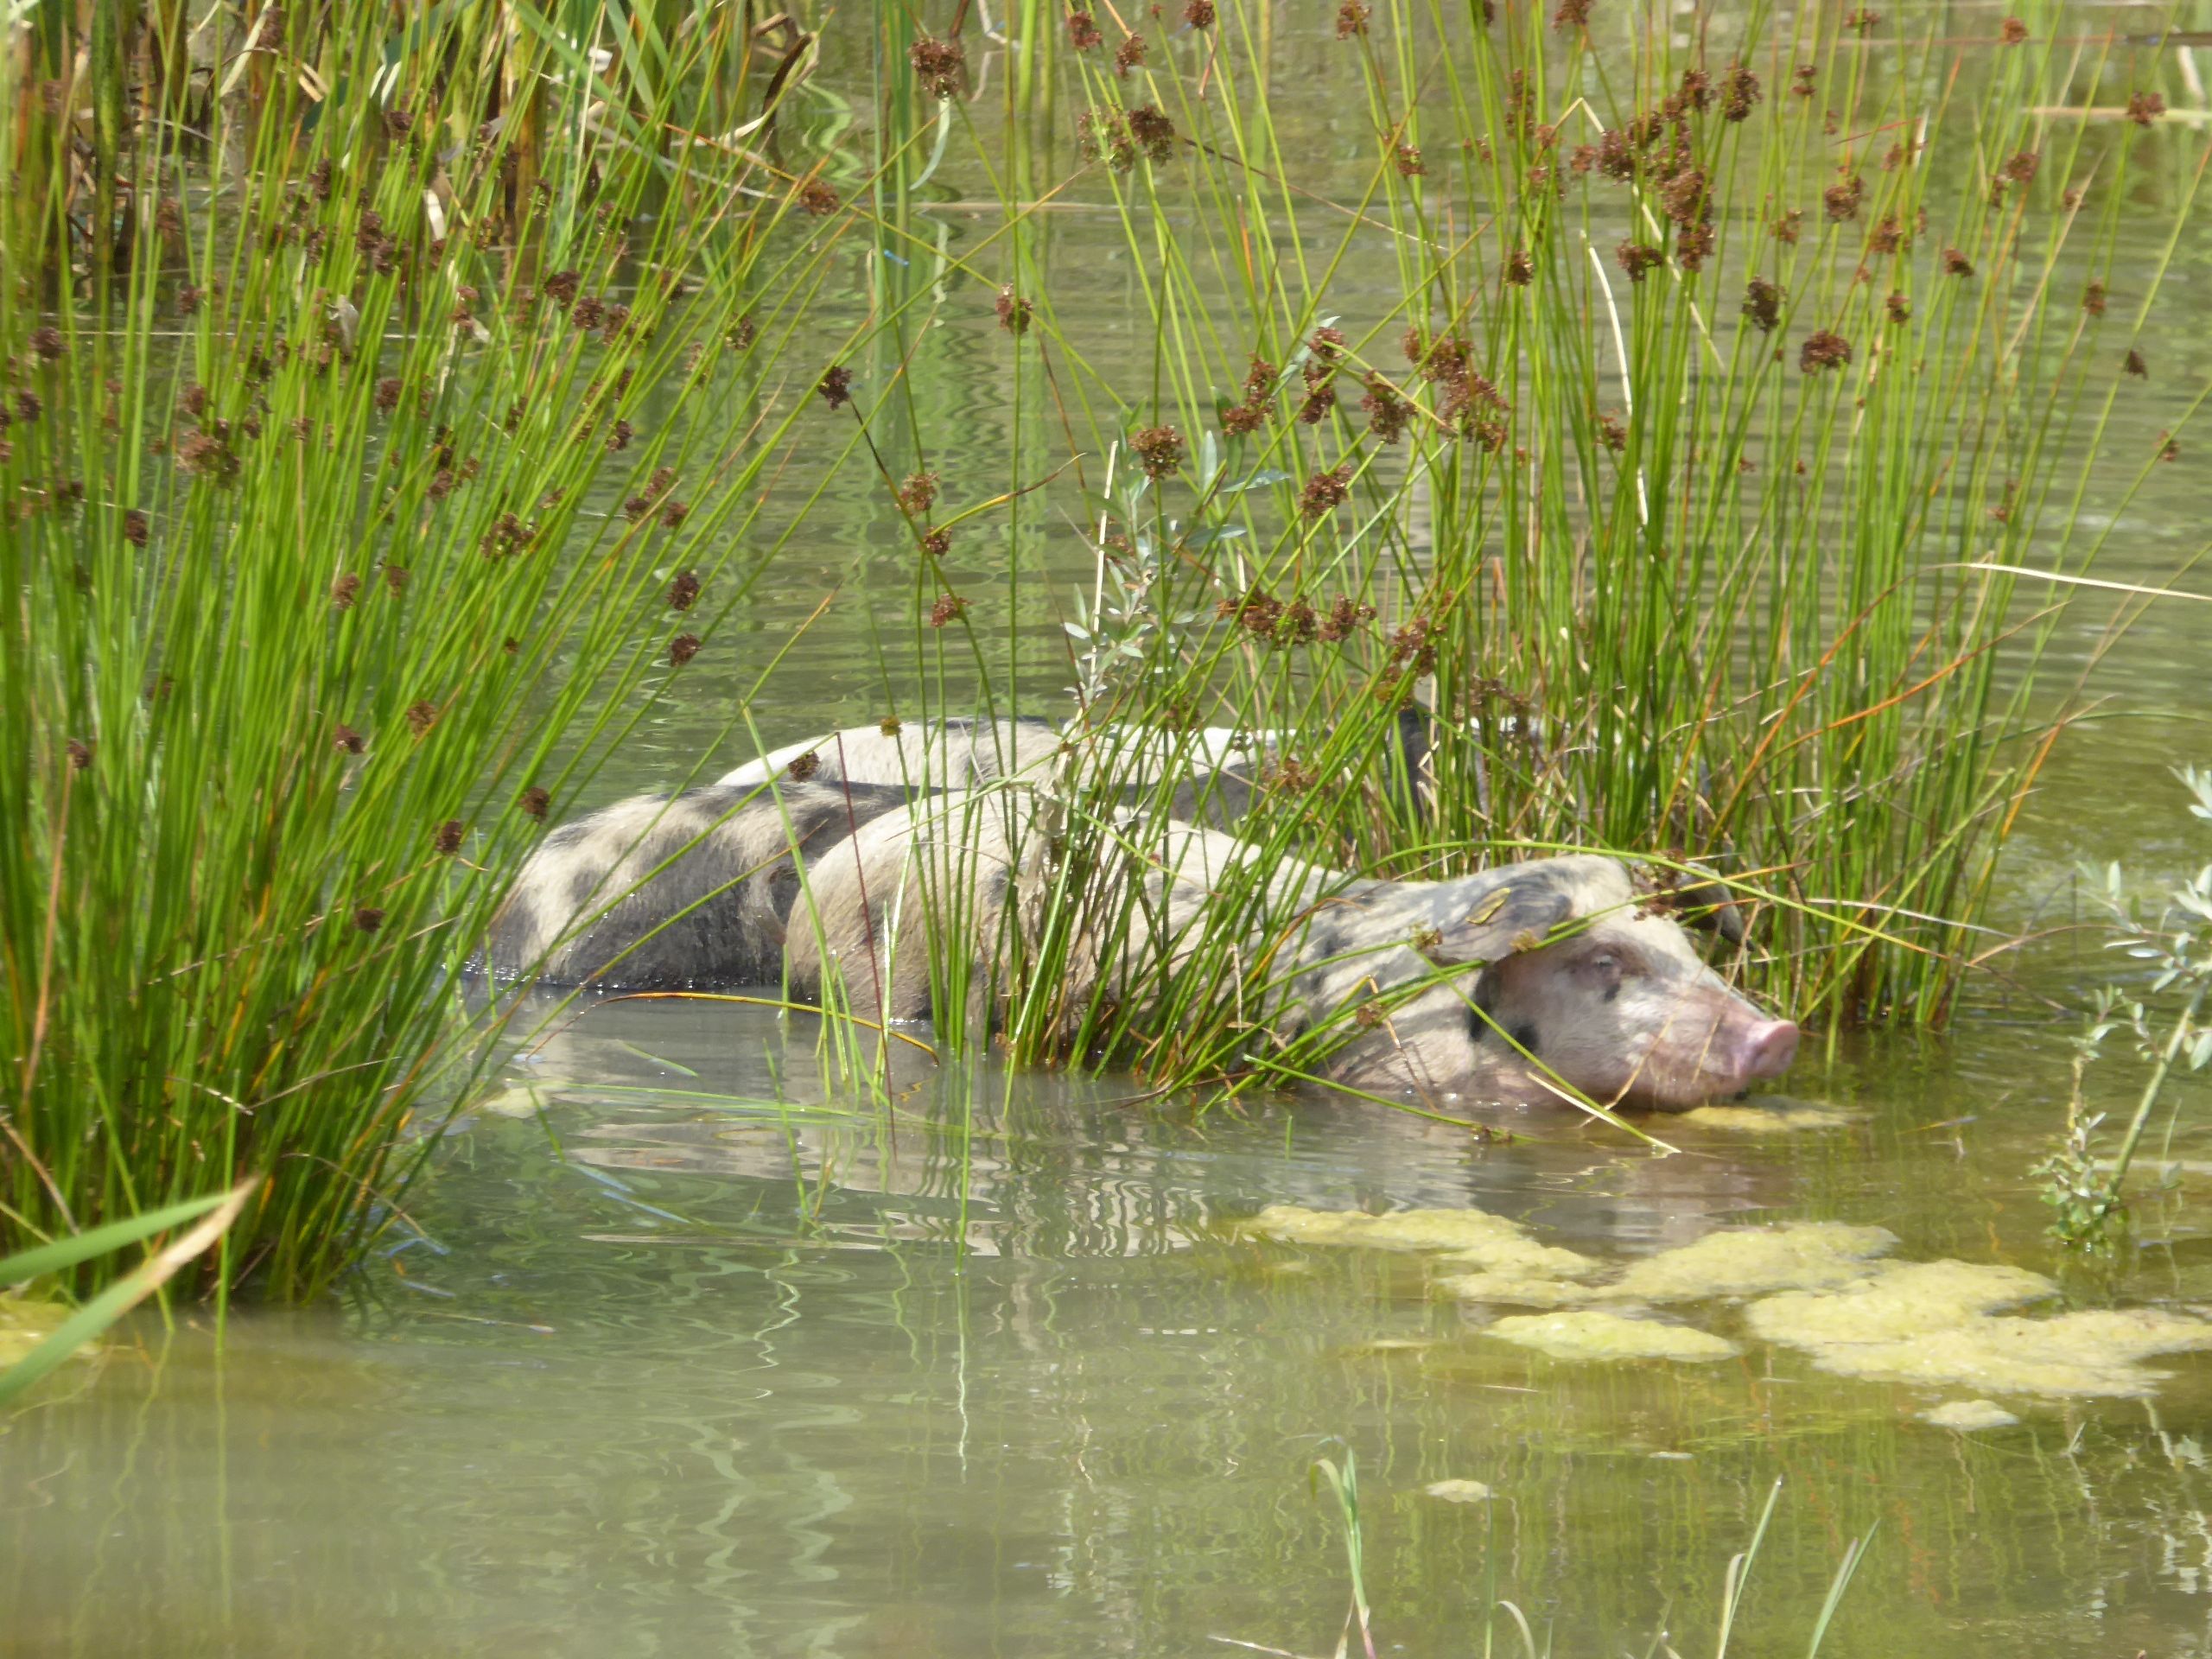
(695, 1353)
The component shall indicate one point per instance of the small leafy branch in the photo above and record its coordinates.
(2176, 949)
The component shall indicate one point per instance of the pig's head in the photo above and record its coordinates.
(1570, 962)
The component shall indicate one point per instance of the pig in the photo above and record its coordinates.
(1570, 971)
(1501, 987)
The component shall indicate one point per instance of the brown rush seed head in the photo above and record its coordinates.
(918, 494)
(2012, 32)
(533, 802)
(188, 298)
(346, 741)
(367, 918)
(835, 386)
(1636, 257)
(80, 753)
(204, 455)
(1327, 346)
(1801, 80)
(1260, 380)
(1320, 399)
(1520, 269)
(1697, 90)
(619, 436)
(1129, 54)
(1683, 197)
(447, 839)
(1823, 349)
(2169, 450)
(2093, 299)
(1013, 311)
(562, 287)
(1408, 161)
(444, 483)
(587, 313)
(1842, 199)
(1352, 19)
(395, 578)
(1740, 93)
(804, 766)
(741, 334)
(1787, 228)
(2144, 108)
(1762, 304)
(1082, 31)
(1369, 1015)
(817, 198)
(936, 543)
(1956, 263)
(1571, 14)
(421, 716)
(1158, 450)
(1900, 308)
(1325, 491)
(683, 591)
(387, 395)
(938, 65)
(1241, 420)
(673, 512)
(638, 508)
(948, 609)
(508, 535)
(1199, 13)
(683, 649)
(344, 590)
(1611, 431)
(889, 725)
(1862, 20)
(2021, 167)
(48, 344)
(1343, 618)
(135, 529)
(2135, 365)
(1103, 135)
(1153, 132)
(1387, 412)
(28, 406)
(1887, 236)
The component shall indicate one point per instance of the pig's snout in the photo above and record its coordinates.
(1769, 1047)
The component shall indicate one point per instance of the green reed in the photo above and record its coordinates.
(1670, 418)
(388, 406)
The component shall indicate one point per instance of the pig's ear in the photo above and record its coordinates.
(1518, 914)
(1704, 900)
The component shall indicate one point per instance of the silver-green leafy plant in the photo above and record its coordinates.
(2165, 1025)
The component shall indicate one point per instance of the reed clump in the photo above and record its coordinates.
(325, 359)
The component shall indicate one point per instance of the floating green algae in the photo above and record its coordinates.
(1520, 1289)
(1749, 1262)
(1592, 1334)
(1966, 1416)
(1893, 1301)
(1474, 1237)
(1457, 1491)
(1768, 1120)
(1937, 1323)
(25, 1324)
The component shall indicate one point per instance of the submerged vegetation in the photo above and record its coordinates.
(398, 406)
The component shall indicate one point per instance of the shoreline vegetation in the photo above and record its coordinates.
(398, 401)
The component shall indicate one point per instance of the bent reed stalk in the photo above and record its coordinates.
(1632, 392)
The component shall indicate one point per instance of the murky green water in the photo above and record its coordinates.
(995, 1371)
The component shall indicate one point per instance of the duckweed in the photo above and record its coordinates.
(1767, 1120)
(1895, 1301)
(24, 1325)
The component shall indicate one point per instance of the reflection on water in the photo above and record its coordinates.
(676, 1372)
